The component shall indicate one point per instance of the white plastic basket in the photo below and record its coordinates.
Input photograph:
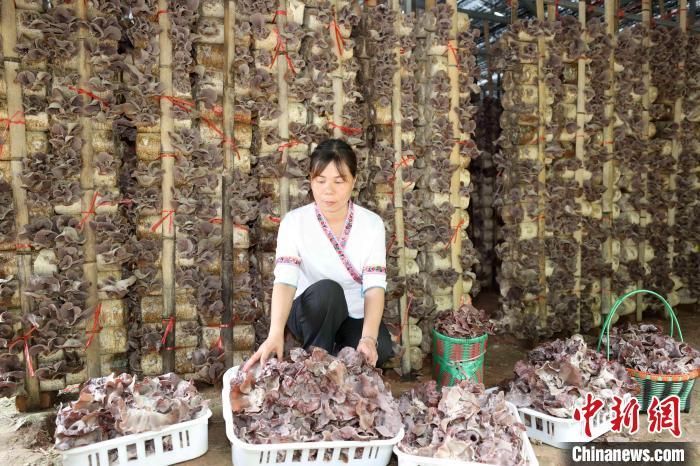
(557, 431)
(341, 453)
(189, 440)
(412, 460)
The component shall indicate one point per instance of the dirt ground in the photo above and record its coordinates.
(26, 439)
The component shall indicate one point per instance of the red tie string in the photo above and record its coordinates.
(405, 159)
(279, 13)
(454, 233)
(391, 242)
(90, 211)
(92, 95)
(274, 219)
(620, 13)
(282, 48)
(168, 329)
(167, 214)
(219, 341)
(408, 310)
(216, 220)
(165, 155)
(9, 122)
(95, 326)
(23, 246)
(346, 129)
(241, 227)
(225, 140)
(287, 145)
(186, 105)
(27, 358)
(339, 42)
(218, 110)
(452, 49)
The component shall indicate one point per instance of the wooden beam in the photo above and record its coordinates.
(646, 104)
(542, 177)
(167, 163)
(581, 157)
(227, 273)
(16, 148)
(609, 166)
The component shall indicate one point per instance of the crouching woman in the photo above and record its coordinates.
(330, 269)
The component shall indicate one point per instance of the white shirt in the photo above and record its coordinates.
(308, 251)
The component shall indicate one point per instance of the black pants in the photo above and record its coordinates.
(319, 317)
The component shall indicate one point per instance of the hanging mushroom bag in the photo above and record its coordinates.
(654, 381)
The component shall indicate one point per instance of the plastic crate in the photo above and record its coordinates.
(340, 453)
(188, 440)
(557, 431)
(412, 460)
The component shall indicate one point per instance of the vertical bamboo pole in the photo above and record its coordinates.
(429, 4)
(396, 118)
(458, 218)
(542, 177)
(87, 184)
(552, 12)
(337, 84)
(644, 215)
(676, 143)
(513, 11)
(609, 166)
(17, 135)
(167, 163)
(283, 120)
(487, 48)
(581, 156)
(229, 166)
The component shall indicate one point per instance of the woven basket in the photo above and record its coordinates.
(458, 358)
(659, 385)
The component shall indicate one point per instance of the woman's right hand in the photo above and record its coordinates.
(273, 345)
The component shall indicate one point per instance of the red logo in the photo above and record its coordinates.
(665, 415)
(627, 417)
(589, 410)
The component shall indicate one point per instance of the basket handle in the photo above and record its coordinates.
(618, 303)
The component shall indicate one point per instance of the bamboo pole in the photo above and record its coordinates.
(646, 103)
(167, 163)
(338, 93)
(458, 218)
(430, 4)
(87, 184)
(487, 47)
(581, 156)
(399, 231)
(609, 166)
(227, 273)
(17, 140)
(676, 143)
(513, 11)
(542, 177)
(552, 12)
(283, 120)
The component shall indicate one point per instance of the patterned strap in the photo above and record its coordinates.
(339, 248)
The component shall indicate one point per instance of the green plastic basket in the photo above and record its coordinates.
(659, 385)
(457, 359)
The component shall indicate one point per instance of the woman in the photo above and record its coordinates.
(330, 267)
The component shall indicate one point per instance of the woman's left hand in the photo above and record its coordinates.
(369, 350)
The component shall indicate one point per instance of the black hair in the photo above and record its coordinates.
(336, 151)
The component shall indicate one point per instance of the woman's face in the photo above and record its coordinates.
(331, 191)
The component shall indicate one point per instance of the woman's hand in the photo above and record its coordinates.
(368, 347)
(274, 344)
